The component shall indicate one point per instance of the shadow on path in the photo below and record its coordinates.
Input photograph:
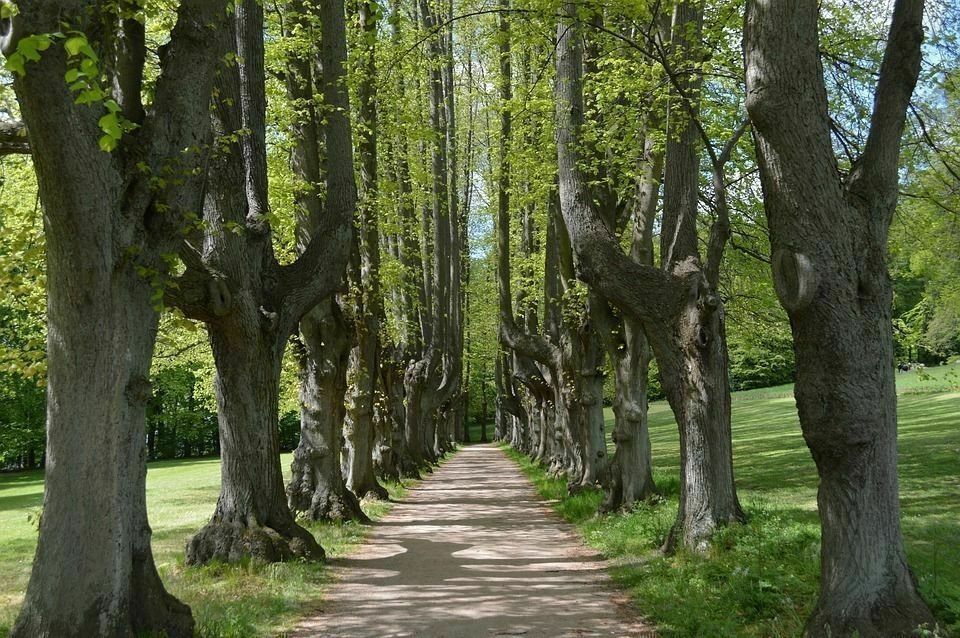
(471, 552)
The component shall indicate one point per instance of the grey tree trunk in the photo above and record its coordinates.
(252, 518)
(317, 487)
(251, 303)
(829, 237)
(93, 572)
(677, 305)
(630, 475)
(390, 412)
(365, 275)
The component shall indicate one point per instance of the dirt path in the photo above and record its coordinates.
(472, 551)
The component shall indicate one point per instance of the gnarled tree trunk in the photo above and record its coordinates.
(317, 487)
(250, 302)
(93, 573)
(829, 238)
(677, 305)
(252, 518)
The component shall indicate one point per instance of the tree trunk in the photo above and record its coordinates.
(365, 276)
(252, 518)
(93, 573)
(317, 487)
(391, 412)
(358, 427)
(98, 579)
(677, 304)
(693, 371)
(828, 235)
(630, 476)
(414, 381)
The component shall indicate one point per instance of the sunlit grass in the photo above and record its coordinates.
(228, 601)
(760, 578)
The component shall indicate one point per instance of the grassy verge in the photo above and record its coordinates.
(228, 601)
(761, 577)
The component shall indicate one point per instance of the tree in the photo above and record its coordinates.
(828, 233)
(109, 219)
(252, 304)
(365, 279)
(677, 304)
(317, 487)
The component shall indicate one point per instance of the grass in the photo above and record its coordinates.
(760, 580)
(761, 577)
(228, 601)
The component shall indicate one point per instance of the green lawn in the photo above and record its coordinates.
(761, 577)
(760, 581)
(228, 601)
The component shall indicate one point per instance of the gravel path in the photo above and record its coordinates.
(472, 552)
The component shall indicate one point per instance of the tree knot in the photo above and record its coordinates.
(795, 279)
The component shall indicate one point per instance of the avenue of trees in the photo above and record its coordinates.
(361, 230)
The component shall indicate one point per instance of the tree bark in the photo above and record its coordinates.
(93, 573)
(677, 305)
(251, 303)
(829, 237)
(390, 413)
(365, 275)
(630, 476)
(317, 487)
(252, 518)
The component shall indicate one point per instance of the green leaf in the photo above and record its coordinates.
(74, 44)
(15, 63)
(110, 124)
(107, 143)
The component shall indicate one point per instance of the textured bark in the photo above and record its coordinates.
(414, 310)
(829, 237)
(415, 382)
(677, 305)
(432, 380)
(317, 487)
(252, 518)
(390, 414)
(251, 303)
(358, 428)
(365, 278)
(93, 574)
(630, 476)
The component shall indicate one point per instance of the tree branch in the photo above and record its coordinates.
(640, 290)
(319, 270)
(874, 176)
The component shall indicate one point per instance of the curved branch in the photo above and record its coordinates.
(874, 176)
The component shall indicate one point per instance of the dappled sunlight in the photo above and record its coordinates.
(481, 556)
